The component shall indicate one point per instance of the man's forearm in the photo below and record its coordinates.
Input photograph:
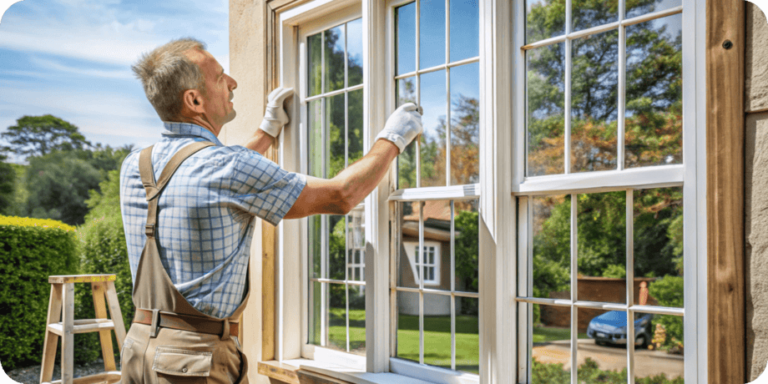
(360, 178)
(259, 142)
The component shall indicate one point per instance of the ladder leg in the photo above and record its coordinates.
(105, 336)
(51, 339)
(68, 339)
(116, 314)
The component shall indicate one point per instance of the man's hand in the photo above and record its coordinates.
(275, 117)
(402, 126)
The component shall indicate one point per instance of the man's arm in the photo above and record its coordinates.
(339, 195)
(275, 118)
(260, 142)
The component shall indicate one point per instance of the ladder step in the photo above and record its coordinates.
(109, 377)
(83, 326)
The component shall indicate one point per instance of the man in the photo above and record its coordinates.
(188, 205)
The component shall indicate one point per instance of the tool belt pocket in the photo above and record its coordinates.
(176, 365)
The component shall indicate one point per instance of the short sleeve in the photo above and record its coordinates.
(262, 188)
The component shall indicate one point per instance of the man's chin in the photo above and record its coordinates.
(230, 116)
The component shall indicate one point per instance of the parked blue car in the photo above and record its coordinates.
(611, 328)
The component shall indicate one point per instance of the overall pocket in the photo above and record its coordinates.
(131, 362)
(176, 365)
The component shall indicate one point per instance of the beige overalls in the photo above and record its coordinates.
(170, 341)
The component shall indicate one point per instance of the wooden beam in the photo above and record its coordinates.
(725, 190)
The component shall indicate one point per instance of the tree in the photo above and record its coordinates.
(7, 185)
(41, 135)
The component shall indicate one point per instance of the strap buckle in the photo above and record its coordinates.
(150, 230)
(155, 326)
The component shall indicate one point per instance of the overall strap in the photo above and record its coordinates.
(148, 178)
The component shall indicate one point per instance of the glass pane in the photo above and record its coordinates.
(315, 245)
(551, 230)
(409, 242)
(466, 246)
(315, 123)
(591, 13)
(465, 29)
(551, 352)
(405, 36)
(642, 7)
(437, 244)
(336, 247)
(437, 330)
(431, 33)
(546, 114)
(335, 112)
(601, 349)
(467, 335)
(602, 242)
(594, 99)
(433, 100)
(334, 58)
(654, 114)
(544, 19)
(355, 128)
(658, 240)
(659, 349)
(315, 313)
(406, 91)
(314, 64)
(337, 317)
(357, 319)
(465, 124)
(355, 52)
(408, 326)
(406, 161)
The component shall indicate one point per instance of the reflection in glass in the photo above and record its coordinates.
(546, 114)
(601, 349)
(405, 38)
(544, 19)
(407, 275)
(659, 353)
(314, 65)
(408, 326)
(551, 352)
(590, 13)
(465, 124)
(356, 244)
(406, 161)
(436, 257)
(315, 311)
(406, 91)
(654, 119)
(437, 330)
(466, 247)
(357, 319)
(336, 247)
(602, 242)
(658, 246)
(355, 52)
(642, 7)
(465, 29)
(431, 33)
(334, 115)
(334, 58)
(315, 245)
(551, 230)
(594, 98)
(433, 100)
(355, 125)
(337, 317)
(467, 336)
(315, 123)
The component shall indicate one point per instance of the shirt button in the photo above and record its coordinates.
(184, 369)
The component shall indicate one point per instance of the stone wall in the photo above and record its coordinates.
(756, 191)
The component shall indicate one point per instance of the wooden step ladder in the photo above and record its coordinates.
(62, 304)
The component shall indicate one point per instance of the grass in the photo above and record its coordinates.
(548, 334)
(437, 341)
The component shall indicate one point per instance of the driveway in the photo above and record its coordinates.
(647, 362)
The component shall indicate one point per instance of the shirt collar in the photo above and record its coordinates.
(189, 129)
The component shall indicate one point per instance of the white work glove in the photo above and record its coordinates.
(275, 117)
(402, 126)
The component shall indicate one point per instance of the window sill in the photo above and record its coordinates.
(304, 370)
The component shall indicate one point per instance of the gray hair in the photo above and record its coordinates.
(166, 73)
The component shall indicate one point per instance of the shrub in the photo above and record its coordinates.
(669, 292)
(30, 251)
(589, 372)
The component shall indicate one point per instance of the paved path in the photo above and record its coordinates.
(647, 362)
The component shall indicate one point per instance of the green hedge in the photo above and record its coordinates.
(30, 251)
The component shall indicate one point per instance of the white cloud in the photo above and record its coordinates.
(56, 66)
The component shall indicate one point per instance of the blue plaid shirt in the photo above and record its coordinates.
(205, 214)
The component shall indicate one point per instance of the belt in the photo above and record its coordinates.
(157, 319)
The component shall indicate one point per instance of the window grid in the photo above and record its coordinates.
(430, 262)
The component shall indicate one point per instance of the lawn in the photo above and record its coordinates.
(437, 341)
(548, 334)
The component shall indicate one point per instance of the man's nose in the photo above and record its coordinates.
(233, 83)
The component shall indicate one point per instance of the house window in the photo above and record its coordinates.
(606, 197)
(429, 264)
(336, 244)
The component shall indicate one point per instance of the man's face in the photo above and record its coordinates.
(217, 105)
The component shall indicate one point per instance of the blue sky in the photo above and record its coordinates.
(72, 58)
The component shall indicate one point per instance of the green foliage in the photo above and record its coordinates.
(466, 253)
(30, 251)
(589, 372)
(669, 292)
(616, 271)
(7, 185)
(41, 135)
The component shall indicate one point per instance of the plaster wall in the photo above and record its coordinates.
(756, 191)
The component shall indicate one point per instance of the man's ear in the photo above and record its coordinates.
(192, 101)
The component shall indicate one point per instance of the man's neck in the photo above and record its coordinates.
(202, 121)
